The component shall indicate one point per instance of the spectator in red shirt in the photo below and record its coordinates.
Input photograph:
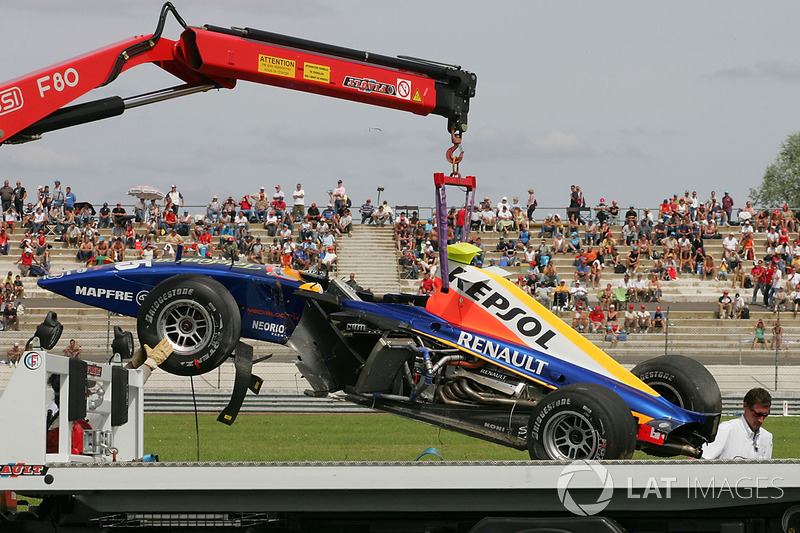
(279, 206)
(727, 207)
(426, 285)
(596, 319)
(3, 241)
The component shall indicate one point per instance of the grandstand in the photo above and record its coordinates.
(371, 255)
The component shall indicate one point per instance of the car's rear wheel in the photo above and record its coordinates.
(198, 316)
(682, 381)
(581, 421)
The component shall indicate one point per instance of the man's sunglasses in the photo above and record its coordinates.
(759, 414)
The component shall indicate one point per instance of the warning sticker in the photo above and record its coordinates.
(277, 66)
(417, 97)
(317, 72)
(403, 89)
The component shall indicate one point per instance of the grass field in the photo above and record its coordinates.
(348, 437)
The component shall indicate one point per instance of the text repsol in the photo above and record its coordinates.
(501, 307)
(505, 354)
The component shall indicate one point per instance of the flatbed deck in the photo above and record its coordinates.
(634, 495)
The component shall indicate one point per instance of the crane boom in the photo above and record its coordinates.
(212, 57)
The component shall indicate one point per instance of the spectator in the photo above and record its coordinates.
(10, 319)
(776, 281)
(426, 285)
(627, 284)
(644, 319)
(298, 203)
(548, 226)
(590, 232)
(330, 261)
(562, 296)
(118, 213)
(505, 219)
(659, 320)
(725, 306)
(611, 336)
(380, 216)
(727, 207)
(654, 289)
(596, 319)
(631, 319)
(366, 210)
(760, 330)
(104, 216)
(579, 295)
(73, 350)
(174, 199)
(595, 272)
(13, 355)
(730, 246)
(739, 306)
(338, 197)
(601, 211)
(709, 267)
(19, 197)
(574, 243)
(550, 275)
(85, 250)
(641, 288)
(580, 321)
(780, 300)
(246, 206)
(25, 261)
(19, 288)
(6, 195)
(488, 216)
(606, 296)
(582, 271)
(532, 205)
(70, 199)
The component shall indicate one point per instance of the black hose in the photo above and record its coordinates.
(145, 45)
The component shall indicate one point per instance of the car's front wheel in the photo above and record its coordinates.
(198, 316)
(581, 421)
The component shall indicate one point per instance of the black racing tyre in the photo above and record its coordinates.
(199, 317)
(581, 421)
(682, 381)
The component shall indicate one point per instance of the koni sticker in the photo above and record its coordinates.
(369, 86)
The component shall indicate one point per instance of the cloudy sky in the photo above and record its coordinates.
(632, 100)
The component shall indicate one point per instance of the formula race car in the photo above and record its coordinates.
(479, 356)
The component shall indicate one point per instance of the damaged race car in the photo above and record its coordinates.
(479, 356)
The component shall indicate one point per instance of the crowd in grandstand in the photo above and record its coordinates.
(660, 245)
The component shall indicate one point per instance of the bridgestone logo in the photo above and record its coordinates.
(163, 298)
(538, 422)
(656, 374)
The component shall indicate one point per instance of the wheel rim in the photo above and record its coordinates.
(187, 325)
(668, 392)
(569, 436)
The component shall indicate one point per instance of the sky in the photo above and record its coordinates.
(632, 100)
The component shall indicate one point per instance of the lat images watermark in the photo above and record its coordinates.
(588, 473)
(585, 488)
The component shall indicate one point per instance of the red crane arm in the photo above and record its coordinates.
(212, 57)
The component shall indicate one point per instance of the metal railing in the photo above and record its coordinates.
(182, 402)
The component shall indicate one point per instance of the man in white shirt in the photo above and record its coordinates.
(579, 294)
(299, 206)
(743, 437)
(730, 244)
